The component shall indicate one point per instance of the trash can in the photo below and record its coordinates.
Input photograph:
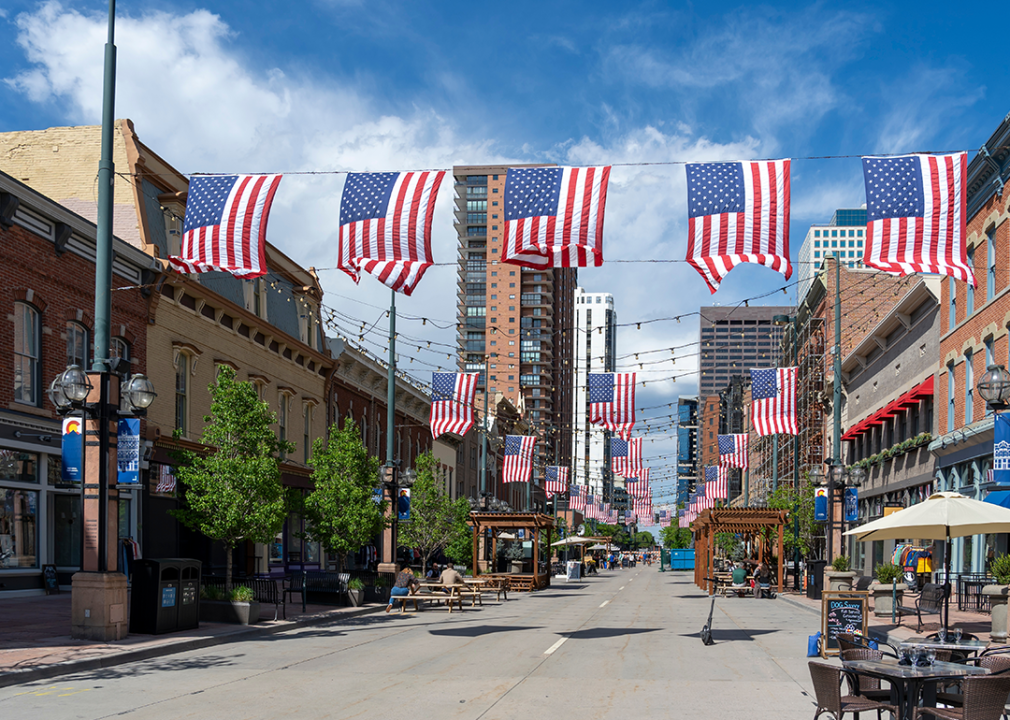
(815, 578)
(189, 594)
(155, 595)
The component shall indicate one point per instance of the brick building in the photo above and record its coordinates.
(47, 290)
(974, 325)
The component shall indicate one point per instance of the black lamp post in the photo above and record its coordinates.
(838, 476)
(393, 482)
(994, 387)
(782, 321)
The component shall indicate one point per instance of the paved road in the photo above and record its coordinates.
(621, 645)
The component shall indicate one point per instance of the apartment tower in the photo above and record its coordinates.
(845, 235)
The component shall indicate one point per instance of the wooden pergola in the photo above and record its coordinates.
(731, 520)
(496, 522)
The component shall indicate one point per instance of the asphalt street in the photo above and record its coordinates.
(624, 644)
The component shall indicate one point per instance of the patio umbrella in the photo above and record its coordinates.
(941, 516)
(506, 536)
(574, 540)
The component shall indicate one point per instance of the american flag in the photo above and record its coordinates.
(226, 224)
(452, 402)
(555, 480)
(590, 507)
(639, 487)
(773, 396)
(664, 518)
(612, 401)
(717, 482)
(629, 517)
(626, 456)
(166, 480)
(642, 506)
(915, 211)
(518, 458)
(554, 216)
(733, 450)
(577, 498)
(385, 226)
(737, 213)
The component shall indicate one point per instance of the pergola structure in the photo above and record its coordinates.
(732, 520)
(533, 523)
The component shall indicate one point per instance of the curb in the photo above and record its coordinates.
(43, 672)
(798, 604)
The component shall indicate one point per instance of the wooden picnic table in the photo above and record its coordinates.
(455, 594)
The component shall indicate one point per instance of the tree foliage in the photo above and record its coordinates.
(436, 521)
(676, 538)
(798, 504)
(341, 512)
(234, 493)
(644, 540)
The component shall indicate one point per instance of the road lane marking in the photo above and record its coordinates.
(555, 646)
(604, 602)
(621, 588)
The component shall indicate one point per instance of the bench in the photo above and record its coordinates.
(929, 602)
(265, 591)
(318, 582)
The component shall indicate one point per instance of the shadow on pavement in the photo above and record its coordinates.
(172, 663)
(596, 633)
(478, 630)
(732, 634)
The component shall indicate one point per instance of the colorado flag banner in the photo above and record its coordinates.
(554, 216)
(452, 402)
(385, 226)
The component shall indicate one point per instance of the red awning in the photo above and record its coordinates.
(913, 396)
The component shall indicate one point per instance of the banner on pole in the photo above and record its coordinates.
(1001, 450)
(72, 457)
(128, 451)
(851, 504)
(403, 504)
(820, 504)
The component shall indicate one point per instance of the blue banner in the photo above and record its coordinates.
(72, 457)
(851, 504)
(128, 451)
(821, 504)
(1001, 450)
(403, 504)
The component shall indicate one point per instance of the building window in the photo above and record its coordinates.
(119, 348)
(18, 528)
(283, 402)
(77, 345)
(952, 291)
(817, 233)
(307, 433)
(989, 360)
(255, 297)
(950, 397)
(990, 250)
(969, 389)
(26, 354)
(307, 325)
(182, 394)
(969, 300)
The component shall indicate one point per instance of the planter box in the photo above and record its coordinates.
(356, 598)
(836, 580)
(516, 567)
(997, 595)
(223, 611)
(882, 600)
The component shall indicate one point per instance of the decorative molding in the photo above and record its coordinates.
(180, 348)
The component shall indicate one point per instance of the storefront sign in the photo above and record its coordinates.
(851, 504)
(72, 458)
(128, 452)
(820, 504)
(1001, 450)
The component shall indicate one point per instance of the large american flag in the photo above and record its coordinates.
(737, 213)
(225, 227)
(554, 216)
(555, 480)
(664, 518)
(452, 402)
(733, 450)
(626, 456)
(915, 212)
(773, 401)
(638, 486)
(612, 401)
(717, 482)
(642, 506)
(577, 498)
(385, 226)
(518, 458)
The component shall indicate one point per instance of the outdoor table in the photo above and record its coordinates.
(452, 596)
(908, 681)
(969, 647)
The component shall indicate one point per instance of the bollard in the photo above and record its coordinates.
(305, 577)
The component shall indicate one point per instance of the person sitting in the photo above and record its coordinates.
(739, 579)
(405, 584)
(763, 581)
(433, 572)
(450, 576)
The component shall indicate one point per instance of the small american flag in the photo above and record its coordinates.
(555, 480)
(518, 458)
(915, 211)
(737, 213)
(226, 224)
(639, 487)
(717, 482)
(577, 498)
(612, 401)
(733, 450)
(590, 509)
(385, 226)
(642, 506)
(629, 517)
(452, 402)
(166, 480)
(554, 216)
(773, 396)
(626, 456)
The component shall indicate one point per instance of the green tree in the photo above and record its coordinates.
(341, 511)
(730, 545)
(234, 492)
(798, 504)
(614, 533)
(644, 540)
(676, 538)
(460, 549)
(435, 520)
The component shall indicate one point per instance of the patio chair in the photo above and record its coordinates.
(985, 698)
(995, 664)
(866, 687)
(827, 681)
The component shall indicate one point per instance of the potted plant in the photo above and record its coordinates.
(239, 606)
(997, 594)
(840, 577)
(356, 592)
(888, 591)
(514, 554)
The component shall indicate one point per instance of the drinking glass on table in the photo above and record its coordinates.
(906, 656)
(931, 655)
(958, 632)
(942, 634)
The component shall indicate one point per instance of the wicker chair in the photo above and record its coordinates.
(995, 664)
(827, 681)
(985, 697)
(866, 687)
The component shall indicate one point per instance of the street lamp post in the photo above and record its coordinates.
(838, 477)
(994, 387)
(782, 320)
(393, 481)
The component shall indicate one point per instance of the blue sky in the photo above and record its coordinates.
(219, 86)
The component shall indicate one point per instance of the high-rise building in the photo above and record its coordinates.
(687, 445)
(519, 320)
(595, 352)
(734, 340)
(845, 234)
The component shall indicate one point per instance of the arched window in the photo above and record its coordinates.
(182, 393)
(26, 354)
(77, 344)
(119, 348)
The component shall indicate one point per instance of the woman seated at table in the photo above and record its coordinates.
(405, 583)
(763, 581)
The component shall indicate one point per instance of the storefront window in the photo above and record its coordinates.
(18, 528)
(276, 551)
(17, 466)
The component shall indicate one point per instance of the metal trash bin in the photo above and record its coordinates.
(189, 594)
(156, 595)
(815, 578)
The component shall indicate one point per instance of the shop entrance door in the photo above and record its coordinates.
(66, 533)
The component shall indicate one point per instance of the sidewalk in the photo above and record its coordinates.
(35, 642)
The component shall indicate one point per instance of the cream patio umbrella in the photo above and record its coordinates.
(941, 516)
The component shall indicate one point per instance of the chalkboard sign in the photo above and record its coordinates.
(50, 580)
(841, 612)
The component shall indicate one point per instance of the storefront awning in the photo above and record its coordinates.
(999, 497)
(913, 396)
